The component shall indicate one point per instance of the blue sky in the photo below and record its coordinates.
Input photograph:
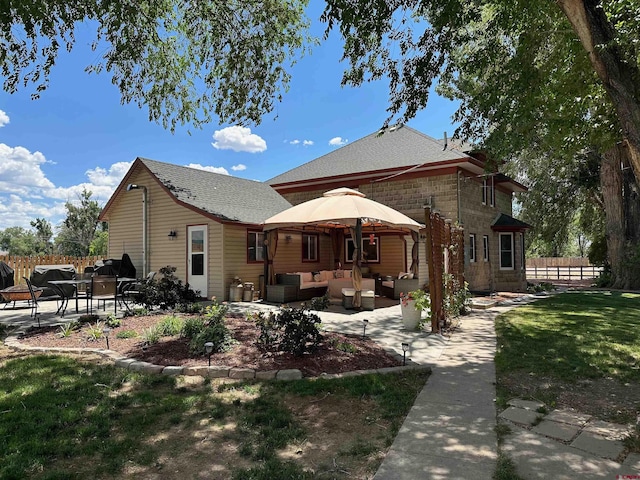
(79, 135)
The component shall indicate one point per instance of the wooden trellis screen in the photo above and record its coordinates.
(23, 266)
(445, 254)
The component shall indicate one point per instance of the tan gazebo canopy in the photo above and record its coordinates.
(339, 209)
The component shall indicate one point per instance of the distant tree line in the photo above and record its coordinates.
(80, 233)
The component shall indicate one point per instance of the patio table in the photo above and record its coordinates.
(57, 285)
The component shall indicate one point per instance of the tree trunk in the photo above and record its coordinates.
(619, 76)
(622, 217)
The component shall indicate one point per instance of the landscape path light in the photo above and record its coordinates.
(405, 348)
(365, 322)
(106, 331)
(208, 347)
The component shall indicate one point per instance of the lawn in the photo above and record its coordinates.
(577, 349)
(65, 417)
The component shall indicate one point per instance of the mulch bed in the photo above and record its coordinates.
(245, 354)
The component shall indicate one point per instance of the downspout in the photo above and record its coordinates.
(145, 240)
(458, 198)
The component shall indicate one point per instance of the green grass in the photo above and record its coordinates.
(63, 418)
(572, 336)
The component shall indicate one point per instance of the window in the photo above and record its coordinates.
(522, 256)
(309, 247)
(488, 192)
(472, 247)
(370, 249)
(506, 251)
(255, 243)
(485, 248)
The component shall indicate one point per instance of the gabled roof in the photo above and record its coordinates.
(398, 146)
(223, 197)
(506, 223)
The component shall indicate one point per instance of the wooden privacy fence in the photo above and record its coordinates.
(23, 266)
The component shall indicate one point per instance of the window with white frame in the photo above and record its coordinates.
(255, 242)
(310, 250)
(522, 256)
(488, 192)
(506, 251)
(472, 247)
(485, 248)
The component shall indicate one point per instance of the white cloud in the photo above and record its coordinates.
(238, 168)
(307, 143)
(338, 141)
(111, 177)
(26, 192)
(238, 139)
(4, 118)
(294, 142)
(209, 168)
(20, 170)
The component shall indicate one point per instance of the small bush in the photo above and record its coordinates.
(216, 332)
(320, 304)
(113, 321)
(94, 333)
(192, 327)
(151, 335)
(167, 292)
(292, 330)
(127, 334)
(67, 329)
(170, 326)
(88, 318)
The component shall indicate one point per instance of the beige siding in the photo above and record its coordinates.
(235, 258)
(289, 254)
(163, 215)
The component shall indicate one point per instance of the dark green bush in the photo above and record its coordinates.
(167, 292)
(192, 327)
(292, 330)
(210, 327)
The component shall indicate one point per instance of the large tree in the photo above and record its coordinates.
(536, 79)
(78, 230)
(184, 60)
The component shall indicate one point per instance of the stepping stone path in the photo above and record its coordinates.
(577, 430)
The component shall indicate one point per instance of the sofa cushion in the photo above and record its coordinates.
(326, 275)
(306, 277)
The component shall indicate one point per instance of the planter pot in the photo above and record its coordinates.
(410, 316)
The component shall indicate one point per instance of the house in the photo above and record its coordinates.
(408, 170)
(208, 225)
(205, 224)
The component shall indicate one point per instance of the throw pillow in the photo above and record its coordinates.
(339, 273)
(316, 277)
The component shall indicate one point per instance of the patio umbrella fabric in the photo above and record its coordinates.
(343, 208)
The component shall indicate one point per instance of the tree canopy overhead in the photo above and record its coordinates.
(515, 47)
(185, 61)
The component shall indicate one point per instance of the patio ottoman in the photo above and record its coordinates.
(367, 296)
(281, 293)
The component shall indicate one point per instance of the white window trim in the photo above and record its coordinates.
(523, 260)
(472, 248)
(484, 191)
(512, 267)
(485, 248)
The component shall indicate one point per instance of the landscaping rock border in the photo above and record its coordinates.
(213, 371)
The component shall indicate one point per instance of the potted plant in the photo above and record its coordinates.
(412, 304)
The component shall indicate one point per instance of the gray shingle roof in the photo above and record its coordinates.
(399, 147)
(507, 222)
(229, 198)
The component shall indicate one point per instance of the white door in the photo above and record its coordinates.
(197, 259)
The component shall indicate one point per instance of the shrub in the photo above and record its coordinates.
(113, 321)
(151, 335)
(320, 304)
(192, 327)
(88, 318)
(127, 334)
(94, 333)
(216, 332)
(167, 292)
(67, 329)
(292, 330)
(170, 326)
